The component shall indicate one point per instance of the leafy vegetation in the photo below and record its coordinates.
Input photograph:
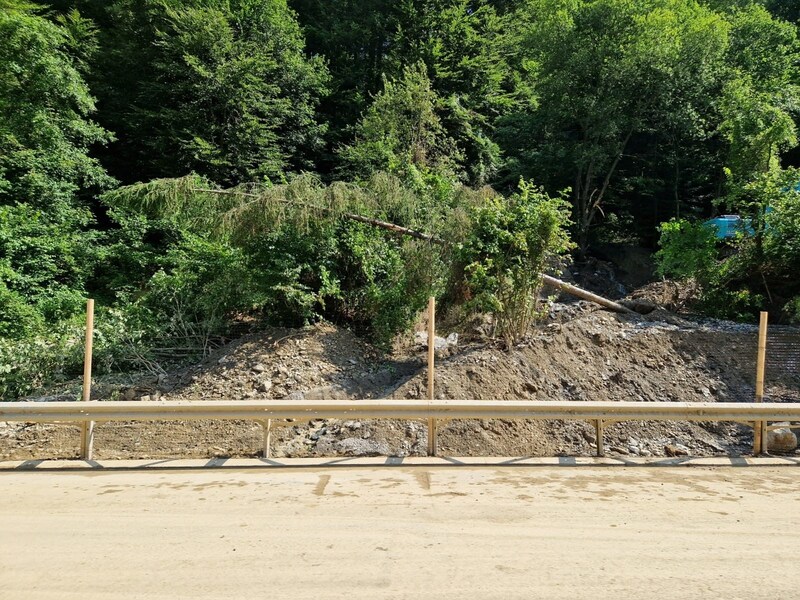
(197, 165)
(513, 241)
(758, 267)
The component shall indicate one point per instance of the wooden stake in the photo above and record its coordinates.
(87, 427)
(598, 429)
(431, 371)
(760, 439)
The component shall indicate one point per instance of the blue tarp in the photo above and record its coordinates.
(728, 226)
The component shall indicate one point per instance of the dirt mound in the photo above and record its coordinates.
(580, 354)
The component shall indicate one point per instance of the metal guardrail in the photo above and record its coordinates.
(264, 412)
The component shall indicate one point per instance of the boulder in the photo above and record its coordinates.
(439, 343)
(360, 447)
(676, 450)
(782, 440)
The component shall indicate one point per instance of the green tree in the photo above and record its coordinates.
(221, 88)
(788, 10)
(47, 176)
(45, 130)
(761, 94)
(604, 73)
(401, 130)
(460, 42)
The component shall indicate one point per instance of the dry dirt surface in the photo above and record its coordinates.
(436, 533)
(580, 353)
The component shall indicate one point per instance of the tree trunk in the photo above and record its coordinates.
(588, 200)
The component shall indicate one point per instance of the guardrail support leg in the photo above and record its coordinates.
(598, 430)
(267, 427)
(758, 428)
(764, 438)
(431, 437)
(87, 440)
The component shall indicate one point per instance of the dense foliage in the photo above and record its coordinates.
(755, 270)
(198, 164)
(514, 240)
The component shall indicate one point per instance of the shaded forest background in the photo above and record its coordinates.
(190, 163)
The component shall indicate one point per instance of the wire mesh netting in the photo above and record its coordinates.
(782, 365)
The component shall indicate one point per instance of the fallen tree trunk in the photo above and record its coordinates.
(546, 279)
(584, 294)
(395, 228)
(405, 231)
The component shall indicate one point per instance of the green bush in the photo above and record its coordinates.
(687, 249)
(792, 310)
(511, 243)
(733, 304)
(385, 281)
(55, 353)
(757, 270)
(48, 260)
(29, 362)
(18, 319)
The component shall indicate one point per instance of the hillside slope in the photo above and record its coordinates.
(580, 354)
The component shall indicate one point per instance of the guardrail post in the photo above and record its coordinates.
(431, 372)
(87, 427)
(760, 434)
(267, 426)
(598, 430)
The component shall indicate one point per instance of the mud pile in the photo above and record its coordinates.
(580, 354)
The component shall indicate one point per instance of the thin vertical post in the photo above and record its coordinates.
(598, 429)
(760, 434)
(87, 427)
(431, 372)
(267, 425)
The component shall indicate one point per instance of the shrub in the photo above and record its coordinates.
(28, 363)
(792, 310)
(687, 249)
(511, 243)
(18, 319)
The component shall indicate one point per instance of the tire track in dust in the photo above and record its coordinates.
(319, 489)
(423, 479)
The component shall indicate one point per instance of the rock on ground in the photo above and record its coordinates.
(782, 440)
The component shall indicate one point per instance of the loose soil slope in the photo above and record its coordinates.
(581, 354)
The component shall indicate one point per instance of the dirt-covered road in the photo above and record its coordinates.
(402, 532)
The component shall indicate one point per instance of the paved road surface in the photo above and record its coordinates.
(402, 532)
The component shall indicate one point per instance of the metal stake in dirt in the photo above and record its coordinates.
(87, 427)
(760, 435)
(431, 348)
